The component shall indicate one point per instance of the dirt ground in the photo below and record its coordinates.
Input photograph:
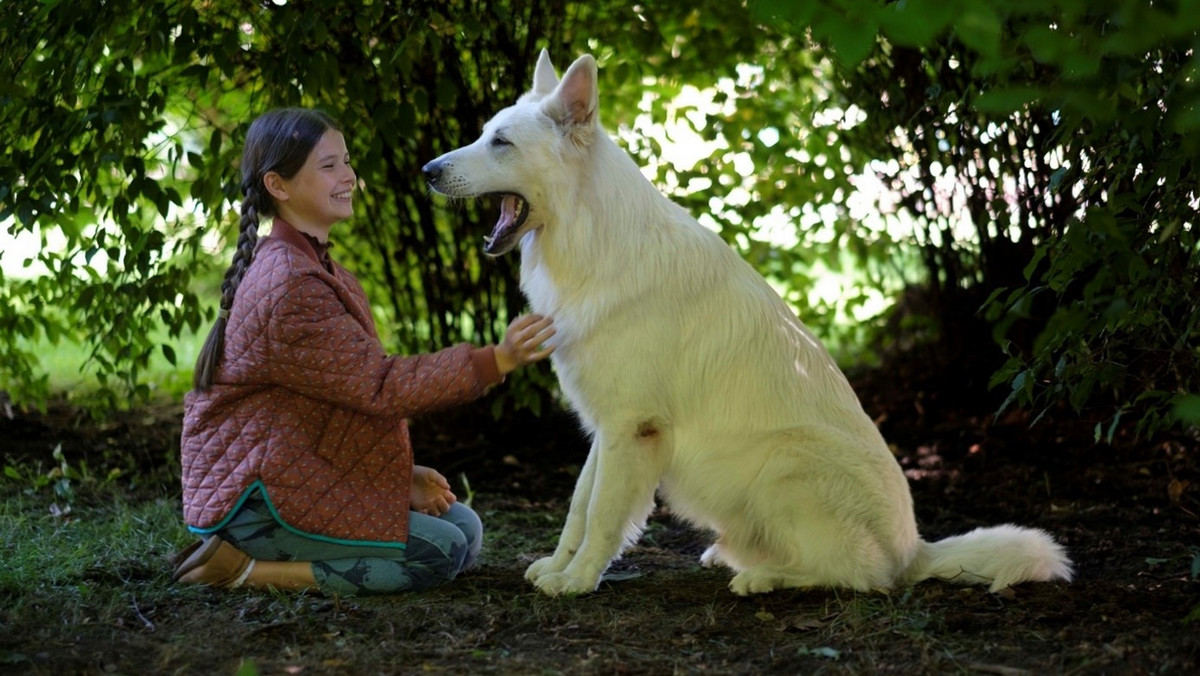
(1128, 513)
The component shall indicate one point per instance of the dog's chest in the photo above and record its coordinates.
(608, 336)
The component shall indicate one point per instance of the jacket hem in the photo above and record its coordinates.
(259, 486)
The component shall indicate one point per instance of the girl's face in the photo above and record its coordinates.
(319, 195)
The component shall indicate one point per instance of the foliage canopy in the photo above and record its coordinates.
(1047, 150)
(1023, 169)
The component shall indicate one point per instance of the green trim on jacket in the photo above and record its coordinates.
(258, 485)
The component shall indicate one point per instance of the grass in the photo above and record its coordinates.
(53, 550)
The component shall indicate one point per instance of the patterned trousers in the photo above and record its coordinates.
(438, 549)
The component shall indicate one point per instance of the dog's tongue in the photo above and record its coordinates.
(508, 215)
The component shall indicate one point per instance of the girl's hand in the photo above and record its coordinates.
(430, 493)
(523, 342)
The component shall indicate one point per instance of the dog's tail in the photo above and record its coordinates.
(1000, 556)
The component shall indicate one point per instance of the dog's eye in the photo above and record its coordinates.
(500, 142)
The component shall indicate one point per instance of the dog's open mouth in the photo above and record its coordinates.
(514, 209)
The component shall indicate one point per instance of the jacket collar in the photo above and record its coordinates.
(281, 229)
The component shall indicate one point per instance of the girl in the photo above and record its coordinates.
(297, 466)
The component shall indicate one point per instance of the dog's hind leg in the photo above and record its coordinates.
(573, 528)
(826, 512)
(628, 465)
(720, 553)
(767, 578)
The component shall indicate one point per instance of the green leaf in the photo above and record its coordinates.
(1044, 43)
(1193, 615)
(447, 93)
(851, 40)
(915, 23)
(1005, 100)
(12, 88)
(979, 27)
(1056, 178)
(1186, 408)
(1187, 119)
(406, 119)
(214, 143)
(85, 297)
(25, 214)
(798, 14)
(1112, 429)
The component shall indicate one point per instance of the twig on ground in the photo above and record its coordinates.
(138, 611)
(999, 669)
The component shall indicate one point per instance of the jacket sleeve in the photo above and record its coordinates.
(320, 350)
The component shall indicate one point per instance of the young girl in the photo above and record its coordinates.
(297, 466)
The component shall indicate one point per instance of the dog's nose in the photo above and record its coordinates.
(432, 171)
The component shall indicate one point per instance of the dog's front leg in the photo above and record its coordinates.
(572, 532)
(626, 474)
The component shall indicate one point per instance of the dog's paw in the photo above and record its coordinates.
(748, 582)
(562, 584)
(543, 566)
(712, 557)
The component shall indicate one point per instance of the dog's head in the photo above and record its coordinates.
(525, 151)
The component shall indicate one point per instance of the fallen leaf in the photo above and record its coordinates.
(1176, 488)
(801, 623)
(620, 577)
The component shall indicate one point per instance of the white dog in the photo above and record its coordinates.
(694, 378)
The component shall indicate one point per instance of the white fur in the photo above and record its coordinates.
(694, 378)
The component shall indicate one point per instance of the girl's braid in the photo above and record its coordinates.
(214, 346)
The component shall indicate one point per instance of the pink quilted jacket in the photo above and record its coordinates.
(306, 405)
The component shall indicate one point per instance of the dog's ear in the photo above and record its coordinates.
(575, 100)
(544, 77)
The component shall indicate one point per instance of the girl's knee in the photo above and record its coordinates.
(439, 548)
(469, 523)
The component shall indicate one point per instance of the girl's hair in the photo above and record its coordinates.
(279, 141)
